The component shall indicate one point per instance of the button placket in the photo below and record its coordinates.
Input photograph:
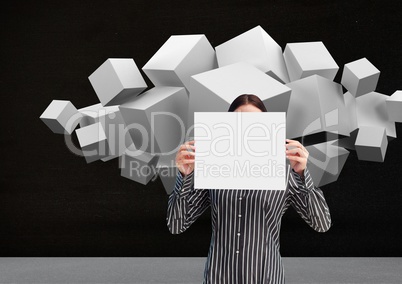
(242, 201)
(239, 223)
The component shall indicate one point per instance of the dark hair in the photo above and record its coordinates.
(247, 99)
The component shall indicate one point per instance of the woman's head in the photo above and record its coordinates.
(247, 103)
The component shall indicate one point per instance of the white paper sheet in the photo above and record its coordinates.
(240, 150)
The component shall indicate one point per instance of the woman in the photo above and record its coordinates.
(246, 223)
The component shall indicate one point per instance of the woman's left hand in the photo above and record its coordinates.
(297, 155)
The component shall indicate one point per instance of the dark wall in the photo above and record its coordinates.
(54, 204)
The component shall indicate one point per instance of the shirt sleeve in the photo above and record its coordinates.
(185, 204)
(309, 201)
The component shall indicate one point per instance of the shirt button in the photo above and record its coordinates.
(237, 251)
(238, 234)
(239, 215)
(239, 198)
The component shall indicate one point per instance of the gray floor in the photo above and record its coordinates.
(189, 270)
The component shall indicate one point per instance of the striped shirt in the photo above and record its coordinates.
(244, 244)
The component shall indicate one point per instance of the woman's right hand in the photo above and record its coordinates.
(185, 158)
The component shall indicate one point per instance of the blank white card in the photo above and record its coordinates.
(240, 150)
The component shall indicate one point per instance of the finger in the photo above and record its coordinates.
(190, 148)
(295, 158)
(187, 153)
(294, 143)
(291, 146)
(185, 157)
(186, 161)
(186, 147)
(296, 151)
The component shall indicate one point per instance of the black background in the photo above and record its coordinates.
(52, 203)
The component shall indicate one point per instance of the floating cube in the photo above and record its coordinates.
(93, 142)
(179, 58)
(137, 165)
(347, 142)
(215, 90)
(371, 110)
(325, 162)
(350, 103)
(394, 106)
(156, 121)
(167, 174)
(360, 77)
(257, 48)
(90, 114)
(61, 117)
(304, 59)
(316, 106)
(371, 143)
(113, 125)
(117, 80)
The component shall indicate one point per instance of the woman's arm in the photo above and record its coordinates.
(309, 201)
(185, 204)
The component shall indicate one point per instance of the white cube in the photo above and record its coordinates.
(138, 166)
(325, 162)
(394, 106)
(113, 125)
(371, 143)
(316, 106)
(215, 90)
(180, 57)
(93, 142)
(350, 103)
(156, 121)
(61, 117)
(360, 77)
(90, 114)
(258, 48)
(117, 80)
(304, 59)
(347, 142)
(371, 110)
